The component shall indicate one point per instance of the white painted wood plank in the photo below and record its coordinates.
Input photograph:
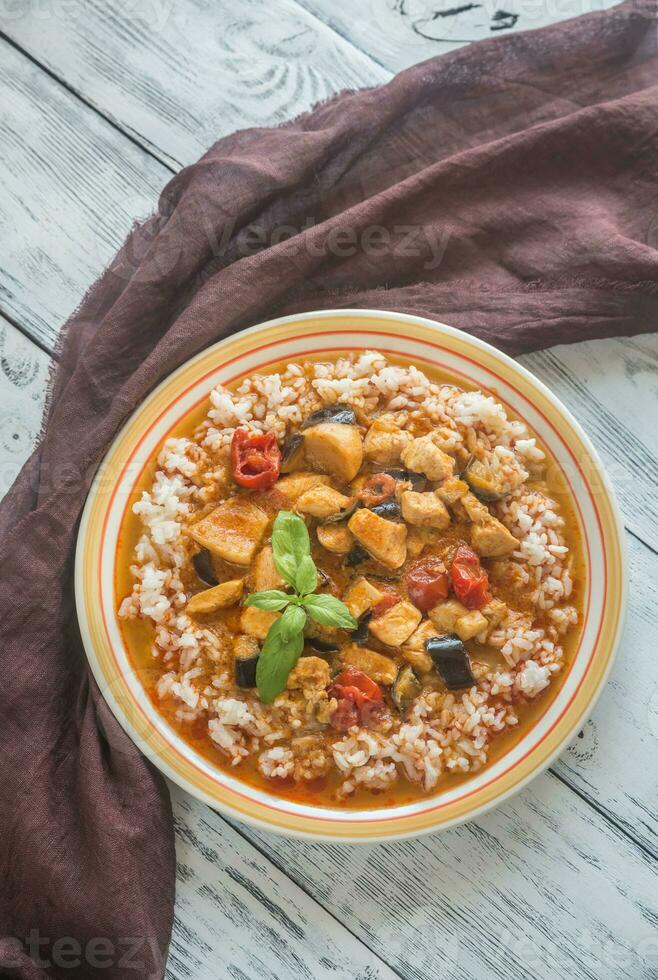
(238, 916)
(23, 379)
(611, 386)
(613, 762)
(71, 186)
(180, 75)
(399, 33)
(543, 887)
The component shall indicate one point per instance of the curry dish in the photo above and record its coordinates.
(350, 582)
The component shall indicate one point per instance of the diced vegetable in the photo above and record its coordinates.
(359, 699)
(390, 510)
(485, 482)
(427, 583)
(361, 634)
(356, 555)
(342, 515)
(334, 448)
(470, 582)
(202, 562)
(245, 658)
(255, 459)
(376, 489)
(451, 661)
(417, 480)
(331, 413)
(322, 646)
(335, 538)
(292, 453)
(406, 688)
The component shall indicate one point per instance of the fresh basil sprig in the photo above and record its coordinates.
(291, 550)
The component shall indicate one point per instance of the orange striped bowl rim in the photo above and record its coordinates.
(425, 343)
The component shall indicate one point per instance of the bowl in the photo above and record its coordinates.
(427, 343)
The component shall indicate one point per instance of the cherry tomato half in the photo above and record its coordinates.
(377, 489)
(427, 583)
(359, 699)
(255, 459)
(470, 582)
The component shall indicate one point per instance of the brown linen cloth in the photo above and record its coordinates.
(509, 188)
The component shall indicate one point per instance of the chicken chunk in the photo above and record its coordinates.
(361, 596)
(309, 675)
(295, 484)
(494, 612)
(257, 622)
(491, 539)
(385, 441)
(384, 540)
(424, 510)
(451, 491)
(219, 597)
(334, 448)
(445, 615)
(322, 502)
(422, 455)
(232, 531)
(263, 574)
(414, 651)
(335, 538)
(397, 624)
(381, 669)
(470, 625)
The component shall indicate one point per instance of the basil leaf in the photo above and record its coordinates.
(329, 611)
(277, 658)
(306, 579)
(290, 544)
(292, 621)
(271, 600)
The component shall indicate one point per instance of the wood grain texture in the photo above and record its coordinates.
(23, 379)
(239, 916)
(70, 188)
(253, 64)
(399, 33)
(542, 887)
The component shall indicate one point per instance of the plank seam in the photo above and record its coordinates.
(343, 37)
(90, 105)
(236, 826)
(25, 332)
(653, 856)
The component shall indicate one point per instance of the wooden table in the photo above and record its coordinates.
(100, 102)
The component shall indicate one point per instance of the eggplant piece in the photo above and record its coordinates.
(361, 634)
(292, 452)
(451, 661)
(245, 670)
(390, 510)
(342, 515)
(322, 646)
(406, 688)
(417, 480)
(203, 567)
(331, 413)
(356, 555)
(484, 484)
